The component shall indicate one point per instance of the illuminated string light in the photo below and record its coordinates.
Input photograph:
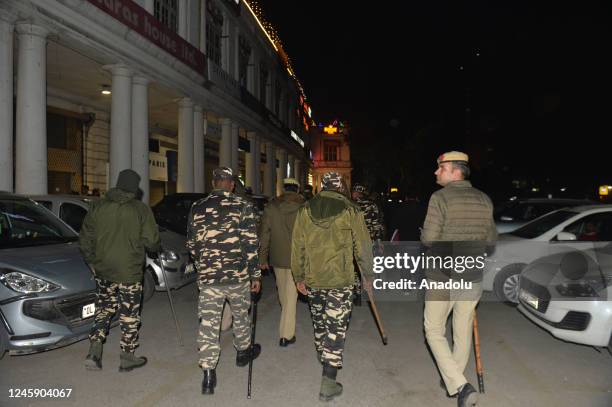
(270, 32)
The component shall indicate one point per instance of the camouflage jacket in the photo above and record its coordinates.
(373, 218)
(222, 239)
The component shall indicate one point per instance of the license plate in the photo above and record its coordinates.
(529, 298)
(89, 310)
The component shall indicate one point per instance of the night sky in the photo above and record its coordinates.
(535, 77)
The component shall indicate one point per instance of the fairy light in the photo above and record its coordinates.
(272, 35)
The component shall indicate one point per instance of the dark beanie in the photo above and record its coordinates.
(128, 181)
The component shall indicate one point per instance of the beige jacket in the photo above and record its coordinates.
(276, 229)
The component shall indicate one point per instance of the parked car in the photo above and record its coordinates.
(72, 210)
(569, 293)
(513, 214)
(577, 227)
(47, 292)
(173, 210)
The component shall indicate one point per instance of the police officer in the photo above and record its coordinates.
(222, 240)
(113, 239)
(459, 222)
(328, 230)
(374, 222)
(275, 250)
(372, 214)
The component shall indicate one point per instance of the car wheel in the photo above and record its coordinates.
(506, 284)
(148, 286)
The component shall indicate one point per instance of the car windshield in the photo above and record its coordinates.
(25, 223)
(543, 224)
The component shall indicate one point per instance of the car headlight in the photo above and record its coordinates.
(25, 283)
(588, 288)
(169, 255)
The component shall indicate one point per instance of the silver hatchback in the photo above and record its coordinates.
(47, 292)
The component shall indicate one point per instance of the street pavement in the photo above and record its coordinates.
(524, 365)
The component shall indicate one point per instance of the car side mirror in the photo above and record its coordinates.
(506, 218)
(566, 236)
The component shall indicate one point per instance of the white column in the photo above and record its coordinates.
(31, 120)
(140, 133)
(281, 171)
(225, 146)
(270, 171)
(149, 5)
(198, 149)
(183, 18)
(185, 146)
(6, 105)
(252, 163)
(291, 173)
(235, 152)
(121, 121)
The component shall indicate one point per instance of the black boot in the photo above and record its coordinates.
(209, 381)
(468, 397)
(243, 357)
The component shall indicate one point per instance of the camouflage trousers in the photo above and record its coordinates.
(331, 310)
(210, 309)
(122, 297)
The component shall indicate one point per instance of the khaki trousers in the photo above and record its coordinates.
(287, 296)
(226, 319)
(438, 306)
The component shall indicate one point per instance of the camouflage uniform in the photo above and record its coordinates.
(329, 229)
(122, 297)
(374, 222)
(330, 310)
(222, 239)
(372, 214)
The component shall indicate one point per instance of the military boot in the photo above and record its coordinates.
(329, 387)
(243, 357)
(209, 381)
(93, 361)
(130, 362)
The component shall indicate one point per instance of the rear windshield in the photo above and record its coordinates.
(26, 223)
(543, 224)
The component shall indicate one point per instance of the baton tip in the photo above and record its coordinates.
(385, 342)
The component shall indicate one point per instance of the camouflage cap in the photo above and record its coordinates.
(360, 188)
(453, 156)
(223, 173)
(332, 180)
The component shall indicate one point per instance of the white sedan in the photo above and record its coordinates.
(577, 227)
(569, 294)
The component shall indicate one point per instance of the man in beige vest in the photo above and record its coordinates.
(275, 250)
(459, 221)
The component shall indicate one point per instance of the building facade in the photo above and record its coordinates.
(330, 152)
(169, 88)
